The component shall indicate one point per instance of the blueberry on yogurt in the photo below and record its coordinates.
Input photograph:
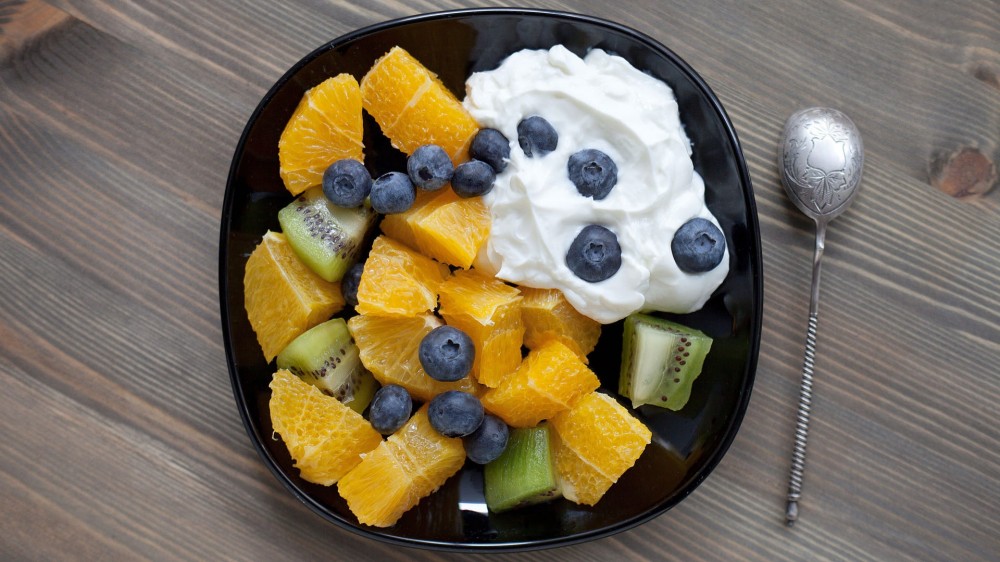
(593, 173)
(698, 246)
(536, 136)
(595, 254)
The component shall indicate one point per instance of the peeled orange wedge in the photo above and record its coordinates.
(323, 436)
(548, 315)
(389, 347)
(414, 108)
(398, 281)
(595, 442)
(442, 225)
(325, 127)
(283, 297)
(489, 311)
(407, 467)
(550, 380)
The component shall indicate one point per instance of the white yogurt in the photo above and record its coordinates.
(600, 102)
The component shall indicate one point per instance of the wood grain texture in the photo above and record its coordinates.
(121, 437)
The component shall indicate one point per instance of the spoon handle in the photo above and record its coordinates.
(805, 392)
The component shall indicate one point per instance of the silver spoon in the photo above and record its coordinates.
(820, 161)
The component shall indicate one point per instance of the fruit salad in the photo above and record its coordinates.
(418, 323)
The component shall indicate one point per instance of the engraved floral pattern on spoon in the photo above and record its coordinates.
(819, 162)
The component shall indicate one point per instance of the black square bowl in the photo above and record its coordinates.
(686, 445)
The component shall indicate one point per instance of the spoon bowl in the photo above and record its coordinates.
(820, 160)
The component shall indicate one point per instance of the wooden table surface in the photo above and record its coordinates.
(121, 438)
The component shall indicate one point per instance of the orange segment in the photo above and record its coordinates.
(325, 127)
(398, 281)
(379, 489)
(583, 483)
(398, 225)
(282, 296)
(325, 438)
(596, 441)
(489, 311)
(454, 230)
(444, 226)
(551, 379)
(389, 348)
(547, 314)
(407, 467)
(414, 108)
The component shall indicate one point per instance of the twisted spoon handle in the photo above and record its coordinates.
(805, 392)
(801, 426)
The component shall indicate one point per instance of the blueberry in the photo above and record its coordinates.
(473, 178)
(447, 353)
(349, 285)
(346, 183)
(390, 408)
(486, 443)
(454, 413)
(698, 246)
(490, 146)
(429, 167)
(595, 254)
(392, 193)
(536, 136)
(593, 173)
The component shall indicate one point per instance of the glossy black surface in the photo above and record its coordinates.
(686, 445)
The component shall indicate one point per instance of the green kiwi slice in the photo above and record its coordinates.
(326, 357)
(364, 391)
(524, 473)
(660, 361)
(326, 237)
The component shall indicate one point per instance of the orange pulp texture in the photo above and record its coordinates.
(282, 296)
(489, 311)
(548, 315)
(595, 442)
(405, 468)
(325, 127)
(398, 281)
(414, 108)
(389, 348)
(550, 379)
(442, 225)
(323, 436)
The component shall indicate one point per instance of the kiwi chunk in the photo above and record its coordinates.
(327, 238)
(326, 357)
(523, 474)
(364, 391)
(660, 361)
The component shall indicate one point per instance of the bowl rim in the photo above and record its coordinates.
(745, 390)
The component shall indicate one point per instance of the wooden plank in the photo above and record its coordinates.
(947, 116)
